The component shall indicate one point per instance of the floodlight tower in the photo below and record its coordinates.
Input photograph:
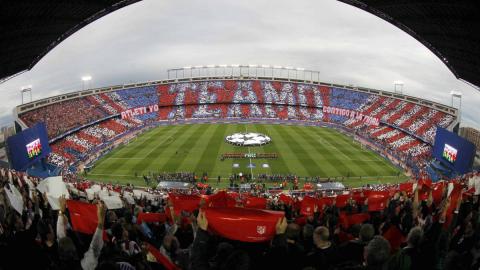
(398, 87)
(26, 91)
(457, 94)
(86, 79)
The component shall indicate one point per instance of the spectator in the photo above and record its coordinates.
(377, 253)
(352, 251)
(325, 254)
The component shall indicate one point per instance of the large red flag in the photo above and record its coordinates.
(285, 199)
(221, 199)
(83, 216)
(437, 192)
(348, 220)
(406, 187)
(151, 217)
(234, 199)
(455, 195)
(307, 206)
(341, 200)
(256, 202)
(358, 197)
(377, 201)
(243, 224)
(160, 258)
(425, 184)
(188, 203)
(324, 201)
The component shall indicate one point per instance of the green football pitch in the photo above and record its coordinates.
(302, 150)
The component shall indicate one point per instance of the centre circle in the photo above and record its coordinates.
(248, 139)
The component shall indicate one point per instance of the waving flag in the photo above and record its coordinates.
(307, 206)
(243, 224)
(83, 216)
(256, 202)
(188, 203)
(151, 217)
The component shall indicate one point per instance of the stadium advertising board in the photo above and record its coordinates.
(453, 151)
(139, 111)
(28, 146)
(373, 121)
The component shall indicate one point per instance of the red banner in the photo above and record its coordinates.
(243, 224)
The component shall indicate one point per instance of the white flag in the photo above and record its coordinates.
(477, 185)
(90, 194)
(15, 198)
(450, 189)
(54, 187)
(112, 202)
(129, 197)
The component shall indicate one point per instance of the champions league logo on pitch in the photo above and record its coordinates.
(248, 139)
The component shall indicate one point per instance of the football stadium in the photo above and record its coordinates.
(240, 166)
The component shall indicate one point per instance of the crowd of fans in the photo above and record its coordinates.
(77, 146)
(276, 177)
(139, 97)
(232, 100)
(100, 102)
(422, 225)
(176, 176)
(396, 140)
(245, 99)
(64, 116)
(416, 119)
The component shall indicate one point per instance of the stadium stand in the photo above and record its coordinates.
(58, 116)
(405, 127)
(73, 148)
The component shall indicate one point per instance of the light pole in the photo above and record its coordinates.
(398, 85)
(457, 94)
(85, 80)
(24, 90)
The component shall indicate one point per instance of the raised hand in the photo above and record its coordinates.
(101, 211)
(202, 221)
(281, 225)
(63, 203)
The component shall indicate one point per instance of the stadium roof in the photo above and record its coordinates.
(450, 29)
(31, 28)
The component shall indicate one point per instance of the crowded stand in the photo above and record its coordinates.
(79, 224)
(77, 146)
(405, 128)
(58, 116)
(245, 99)
(276, 177)
(138, 97)
(177, 176)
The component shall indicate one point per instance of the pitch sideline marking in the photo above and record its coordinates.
(363, 176)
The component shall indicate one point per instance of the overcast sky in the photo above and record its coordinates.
(142, 41)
